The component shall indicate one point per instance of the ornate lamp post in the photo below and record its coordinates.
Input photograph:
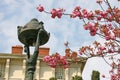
(32, 34)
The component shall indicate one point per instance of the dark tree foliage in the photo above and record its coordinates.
(76, 77)
(53, 78)
(95, 75)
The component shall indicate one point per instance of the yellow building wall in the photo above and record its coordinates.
(15, 69)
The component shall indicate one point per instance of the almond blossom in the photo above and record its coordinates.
(104, 23)
(40, 8)
(56, 13)
(55, 60)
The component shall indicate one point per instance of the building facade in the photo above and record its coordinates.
(13, 67)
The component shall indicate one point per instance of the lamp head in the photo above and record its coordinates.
(28, 34)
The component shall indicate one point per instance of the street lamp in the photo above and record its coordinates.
(32, 34)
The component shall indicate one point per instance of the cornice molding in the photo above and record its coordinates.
(23, 56)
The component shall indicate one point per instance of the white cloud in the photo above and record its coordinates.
(52, 43)
(9, 2)
(1, 16)
(20, 12)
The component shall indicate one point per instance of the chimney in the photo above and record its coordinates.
(74, 55)
(44, 51)
(18, 49)
(67, 53)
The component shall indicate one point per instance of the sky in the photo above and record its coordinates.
(15, 13)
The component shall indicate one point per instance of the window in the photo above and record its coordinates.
(59, 73)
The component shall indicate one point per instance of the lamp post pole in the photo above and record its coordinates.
(32, 34)
(31, 62)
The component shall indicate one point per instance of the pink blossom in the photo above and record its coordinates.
(99, 52)
(107, 37)
(103, 14)
(90, 15)
(99, 18)
(110, 18)
(86, 27)
(93, 31)
(40, 8)
(46, 58)
(54, 13)
(84, 11)
(91, 27)
(55, 60)
(80, 52)
(64, 62)
(57, 12)
(75, 14)
(110, 26)
(112, 36)
(103, 76)
(113, 77)
(111, 51)
(102, 48)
